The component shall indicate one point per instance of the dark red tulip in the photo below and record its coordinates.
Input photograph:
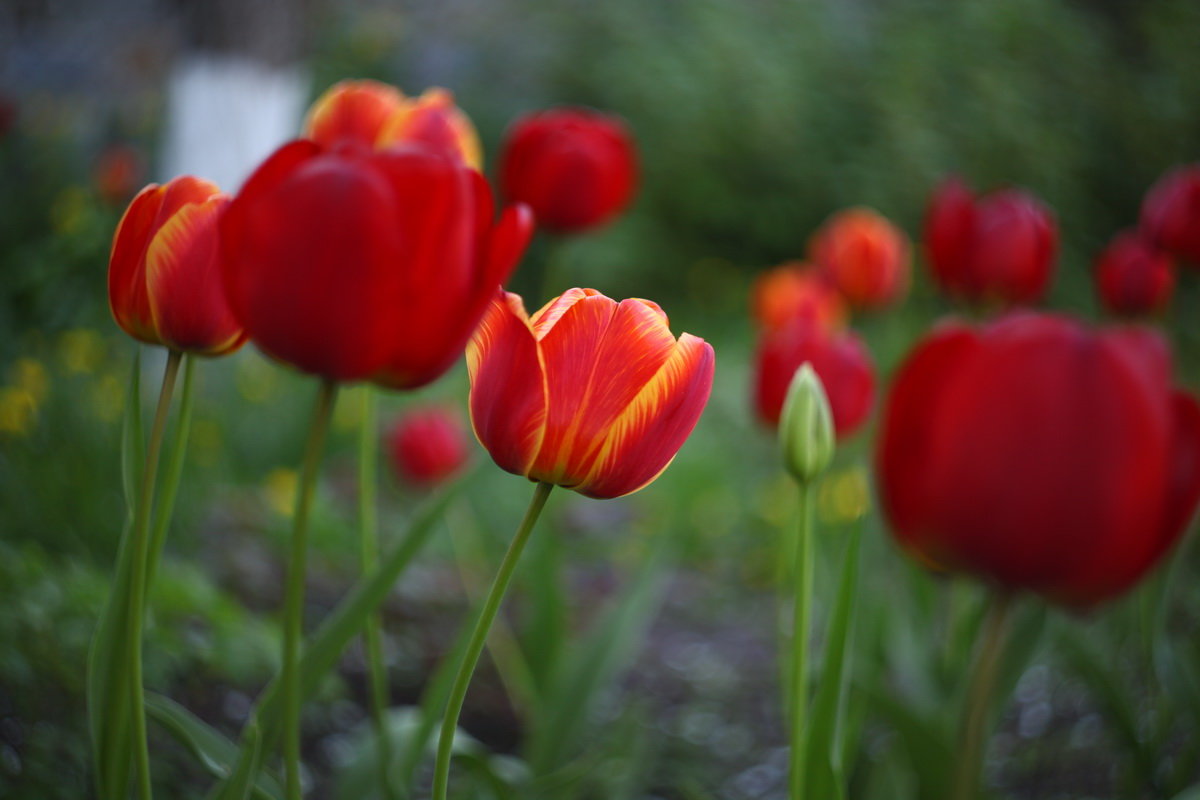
(1171, 213)
(1133, 277)
(353, 265)
(426, 446)
(999, 248)
(575, 168)
(840, 359)
(1038, 454)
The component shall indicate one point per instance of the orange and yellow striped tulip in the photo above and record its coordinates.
(588, 393)
(164, 271)
(796, 290)
(352, 111)
(376, 116)
(434, 121)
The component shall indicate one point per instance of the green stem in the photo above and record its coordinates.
(293, 604)
(802, 578)
(171, 478)
(368, 458)
(141, 556)
(441, 773)
(979, 696)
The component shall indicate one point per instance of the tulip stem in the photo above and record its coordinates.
(368, 458)
(293, 606)
(141, 557)
(802, 578)
(979, 696)
(491, 605)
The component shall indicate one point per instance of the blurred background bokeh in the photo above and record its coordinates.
(651, 655)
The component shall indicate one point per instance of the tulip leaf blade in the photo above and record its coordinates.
(212, 750)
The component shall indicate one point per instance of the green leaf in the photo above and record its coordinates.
(322, 650)
(596, 660)
(108, 693)
(215, 753)
(929, 751)
(826, 775)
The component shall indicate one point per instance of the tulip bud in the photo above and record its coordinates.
(806, 428)
(352, 111)
(796, 290)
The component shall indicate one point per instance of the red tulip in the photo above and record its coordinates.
(1171, 213)
(353, 264)
(164, 279)
(864, 256)
(588, 393)
(427, 446)
(794, 290)
(997, 249)
(435, 121)
(1040, 455)
(1133, 277)
(840, 359)
(575, 168)
(352, 111)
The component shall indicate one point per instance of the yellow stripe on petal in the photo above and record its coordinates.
(508, 388)
(644, 439)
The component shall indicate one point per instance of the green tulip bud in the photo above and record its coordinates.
(806, 426)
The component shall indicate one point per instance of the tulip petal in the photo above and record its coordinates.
(187, 297)
(642, 441)
(127, 295)
(508, 385)
(907, 432)
(352, 111)
(311, 262)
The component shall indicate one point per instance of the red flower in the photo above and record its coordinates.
(117, 173)
(352, 264)
(435, 121)
(352, 111)
(1040, 455)
(575, 168)
(794, 290)
(1171, 213)
(588, 393)
(864, 256)
(997, 249)
(840, 360)
(164, 280)
(426, 446)
(1133, 277)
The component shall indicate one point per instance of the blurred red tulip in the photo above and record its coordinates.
(1133, 277)
(574, 167)
(864, 255)
(352, 111)
(840, 359)
(1171, 213)
(996, 249)
(588, 393)
(118, 173)
(164, 272)
(1040, 455)
(435, 121)
(427, 446)
(354, 265)
(795, 290)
